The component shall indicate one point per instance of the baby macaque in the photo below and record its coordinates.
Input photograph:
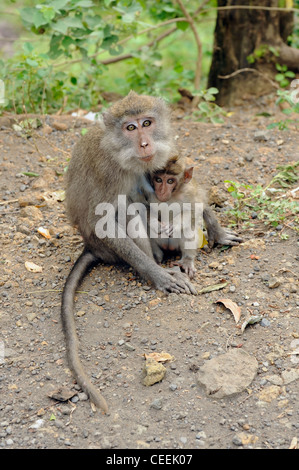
(181, 228)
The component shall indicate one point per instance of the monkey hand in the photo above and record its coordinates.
(174, 281)
(187, 266)
(223, 237)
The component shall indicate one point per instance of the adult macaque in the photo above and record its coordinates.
(134, 138)
(174, 184)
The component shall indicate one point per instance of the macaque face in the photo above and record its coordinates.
(164, 185)
(140, 133)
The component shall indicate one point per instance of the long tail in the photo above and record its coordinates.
(85, 261)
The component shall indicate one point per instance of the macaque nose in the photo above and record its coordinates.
(144, 144)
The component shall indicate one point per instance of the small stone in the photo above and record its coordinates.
(214, 265)
(82, 396)
(81, 313)
(289, 376)
(270, 393)
(237, 441)
(59, 126)
(154, 372)
(31, 316)
(273, 283)
(264, 322)
(156, 404)
(261, 136)
(275, 379)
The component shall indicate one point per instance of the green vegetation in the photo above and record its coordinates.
(73, 51)
(272, 204)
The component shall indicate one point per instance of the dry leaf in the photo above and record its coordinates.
(32, 267)
(44, 232)
(233, 307)
(207, 289)
(250, 321)
(159, 357)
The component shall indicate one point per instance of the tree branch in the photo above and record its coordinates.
(199, 51)
(129, 56)
(246, 69)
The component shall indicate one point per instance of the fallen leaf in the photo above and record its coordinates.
(213, 287)
(30, 173)
(233, 307)
(159, 357)
(250, 321)
(32, 267)
(44, 232)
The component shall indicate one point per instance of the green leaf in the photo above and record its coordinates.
(290, 74)
(93, 21)
(33, 17)
(28, 47)
(213, 90)
(48, 12)
(284, 83)
(84, 3)
(109, 40)
(58, 5)
(183, 25)
(204, 107)
(279, 77)
(30, 173)
(63, 24)
(31, 62)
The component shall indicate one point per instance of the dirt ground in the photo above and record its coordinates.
(121, 317)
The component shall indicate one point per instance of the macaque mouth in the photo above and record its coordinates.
(148, 158)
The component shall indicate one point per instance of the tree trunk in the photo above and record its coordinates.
(258, 34)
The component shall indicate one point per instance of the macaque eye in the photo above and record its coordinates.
(158, 180)
(131, 127)
(170, 181)
(146, 123)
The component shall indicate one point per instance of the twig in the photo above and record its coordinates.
(246, 69)
(2, 203)
(130, 55)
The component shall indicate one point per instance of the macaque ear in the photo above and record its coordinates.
(108, 119)
(188, 174)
